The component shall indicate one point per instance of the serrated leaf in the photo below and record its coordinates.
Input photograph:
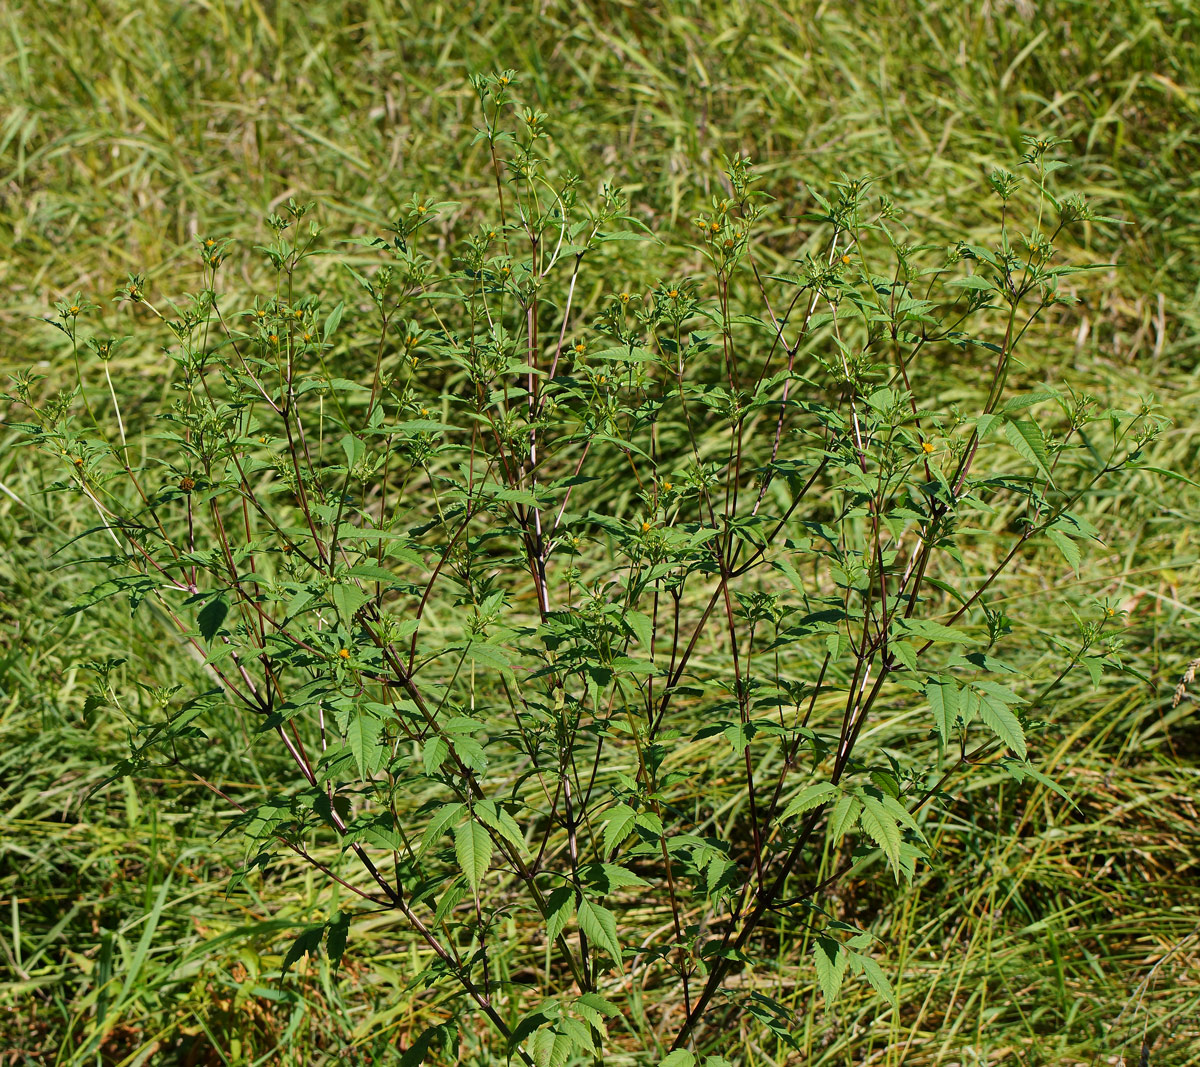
(605, 877)
(560, 906)
(937, 632)
(813, 796)
(831, 963)
(641, 626)
(942, 694)
(681, 1057)
(335, 943)
(617, 827)
(1003, 722)
(211, 616)
(348, 599)
(550, 1048)
(437, 825)
(596, 1002)
(362, 737)
(306, 944)
(874, 975)
(473, 850)
(491, 814)
(449, 900)
(1068, 548)
(1026, 437)
(579, 1034)
(600, 925)
(434, 754)
(845, 811)
(880, 825)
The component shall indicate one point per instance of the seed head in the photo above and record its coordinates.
(187, 484)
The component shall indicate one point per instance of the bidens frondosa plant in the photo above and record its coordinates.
(604, 627)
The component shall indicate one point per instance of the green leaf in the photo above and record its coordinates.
(874, 975)
(1026, 437)
(473, 849)
(1003, 722)
(332, 320)
(491, 814)
(845, 811)
(594, 1008)
(434, 754)
(335, 943)
(560, 906)
(881, 826)
(307, 944)
(437, 825)
(600, 925)
(348, 599)
(617, 827)
(362, 737)
(831, 962)
(944, 700)
(681, 1057)
(640, 626)
(935, 631)
(605, 877)
(1068, 548)
(812, 797)
(550, 1048)
(211, 616)
(442, 1036)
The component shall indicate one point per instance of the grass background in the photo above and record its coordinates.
(1045, 933)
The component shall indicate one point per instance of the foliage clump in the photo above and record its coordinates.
(601, 625)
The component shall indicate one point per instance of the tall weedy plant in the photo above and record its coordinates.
(603, 630)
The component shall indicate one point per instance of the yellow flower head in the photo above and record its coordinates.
(927, 447)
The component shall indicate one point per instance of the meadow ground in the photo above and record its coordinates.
(1046, 932)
